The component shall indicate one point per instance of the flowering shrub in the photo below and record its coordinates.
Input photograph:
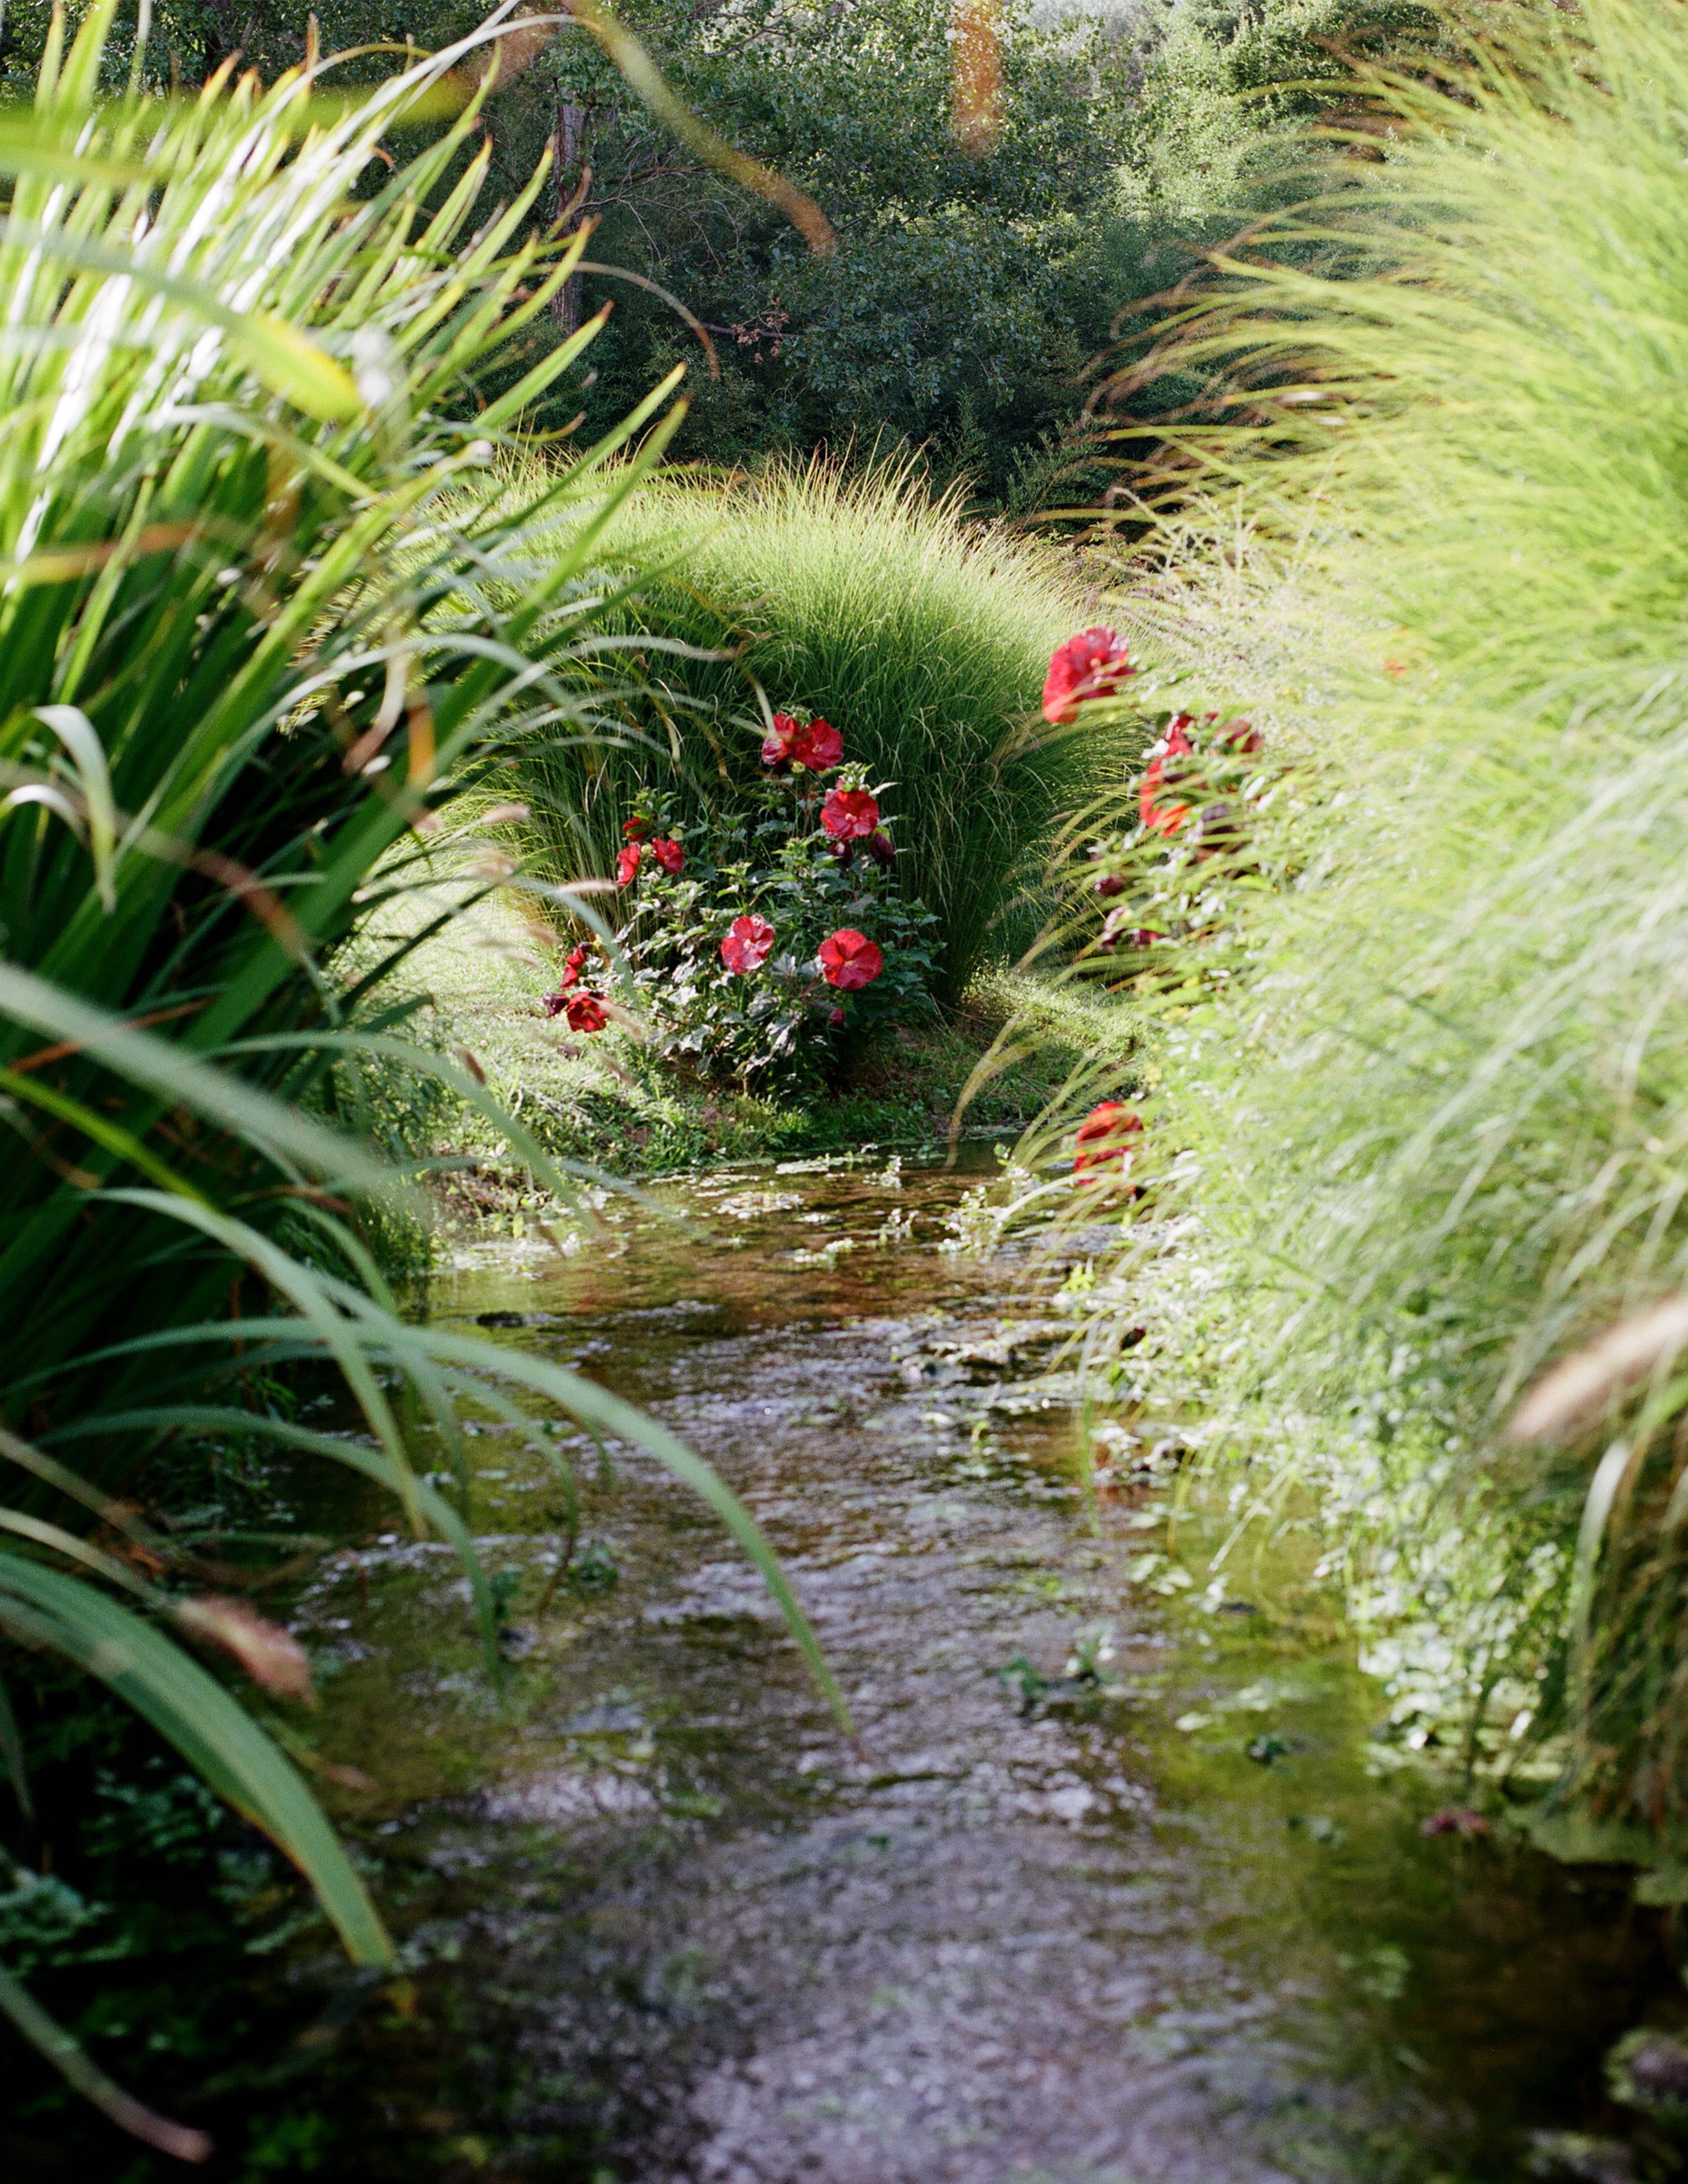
(1200, 779)
(764, 940)
(1191, 798)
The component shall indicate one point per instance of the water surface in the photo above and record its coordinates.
(1030, 1929)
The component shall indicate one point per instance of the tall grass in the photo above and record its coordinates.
(1432, 1123)
(857, 595)
(251, 554)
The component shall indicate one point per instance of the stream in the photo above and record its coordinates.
(1106, 1895)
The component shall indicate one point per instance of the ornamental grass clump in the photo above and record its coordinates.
(254, 667)
(854, 596)
(1424, 1057)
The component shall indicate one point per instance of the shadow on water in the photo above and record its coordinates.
(662, 1923)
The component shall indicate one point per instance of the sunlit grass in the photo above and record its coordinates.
(1432, 1127)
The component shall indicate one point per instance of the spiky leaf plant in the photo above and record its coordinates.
(261, 622)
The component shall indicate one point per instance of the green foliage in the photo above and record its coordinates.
(922, 638)
(975, 277)
(959, 301)
(771, 1028)
(1427, 1091)
(245, 547)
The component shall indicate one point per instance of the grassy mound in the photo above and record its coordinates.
(922, 638)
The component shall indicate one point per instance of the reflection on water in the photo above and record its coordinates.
(677, 1928)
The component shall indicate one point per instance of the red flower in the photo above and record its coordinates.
(586, 1012)
(747, 943)
(1239, 737)
(850, 960)
(1166, 818)
(777, 745)
(627, 864)
(849, 814)
(670, 855)
(1115, 929)
(837, 1019)
(881, 849)
(818, 745)
(1104, 1131)
(815, 745)
(1092, 665)
(636, 828)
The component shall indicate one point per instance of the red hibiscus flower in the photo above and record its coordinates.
(837, 1019)
(586, 1012)
(747, 943)
(627, 865)
(817, 745)
(1092, 665)
(1166, 818)
(849, 814)
(1104, 1135)
(670, 855)
(777, 745)
(850, 960)
(636, 828)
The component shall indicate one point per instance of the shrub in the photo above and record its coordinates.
(773, 939)
(925, 638)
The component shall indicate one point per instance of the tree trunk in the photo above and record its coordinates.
(566, 140)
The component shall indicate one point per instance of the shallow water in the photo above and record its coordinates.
(684, 1931)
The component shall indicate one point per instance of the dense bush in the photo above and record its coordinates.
(977, 272)
(765, 944)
